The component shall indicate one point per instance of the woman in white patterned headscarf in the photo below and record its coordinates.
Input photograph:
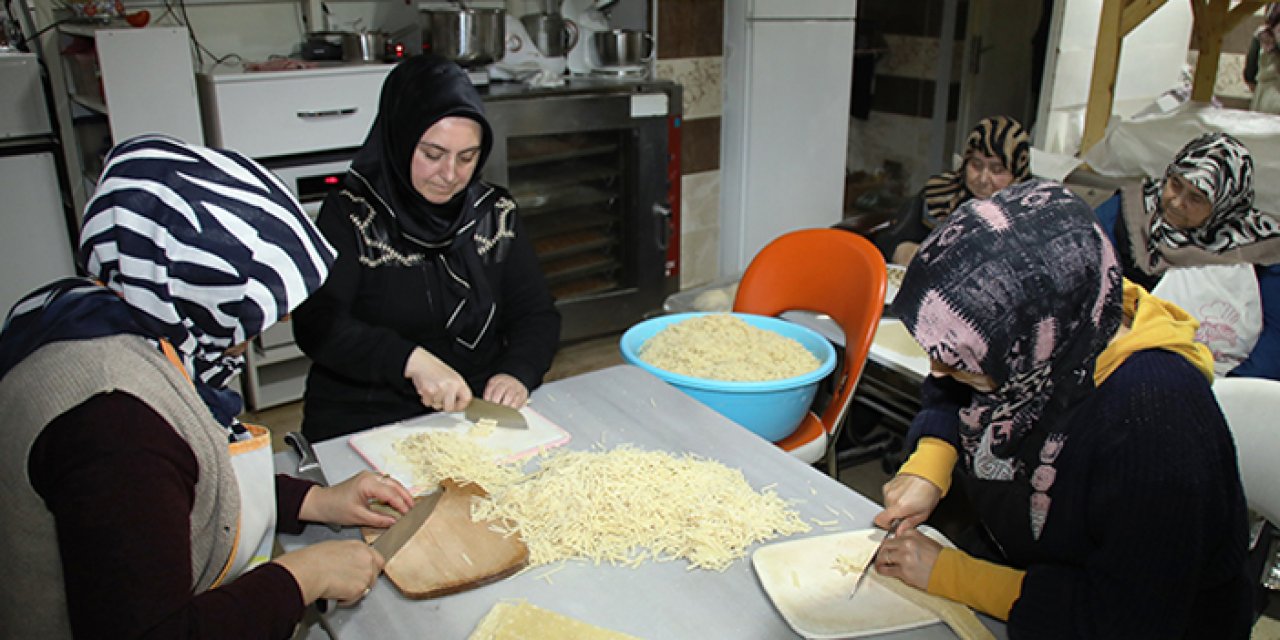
(136, 503)
(1197, 222)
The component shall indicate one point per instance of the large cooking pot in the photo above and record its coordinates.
(470, 37)
(364, 46)
(622, 47)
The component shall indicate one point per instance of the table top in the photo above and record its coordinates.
(666, 600)
(893, 346)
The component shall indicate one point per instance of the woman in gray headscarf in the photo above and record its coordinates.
(136, 503)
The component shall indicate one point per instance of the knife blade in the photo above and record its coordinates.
(308, 463)
(481, 409)
(893, 530)
(394, 538)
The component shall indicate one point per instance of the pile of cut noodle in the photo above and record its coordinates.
(623, 506)
(721, 346)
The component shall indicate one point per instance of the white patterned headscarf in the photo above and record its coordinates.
(1221, 168)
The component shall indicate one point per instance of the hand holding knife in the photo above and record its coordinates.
(893, 531)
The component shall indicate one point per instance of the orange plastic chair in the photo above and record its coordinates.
(827, 271)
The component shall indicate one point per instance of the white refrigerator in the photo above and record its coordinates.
(785, 122)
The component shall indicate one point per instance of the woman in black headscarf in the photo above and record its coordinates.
(997, 153)
(436, 296)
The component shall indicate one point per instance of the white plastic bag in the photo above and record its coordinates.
(1226, 301)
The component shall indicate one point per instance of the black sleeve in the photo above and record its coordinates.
(324, 326)
(120, 483)
(529, 314)
(1251, 62)
(908, 226)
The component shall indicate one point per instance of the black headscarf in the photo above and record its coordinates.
(418, 93)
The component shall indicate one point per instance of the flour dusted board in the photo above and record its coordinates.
(805, 581)
(377, 446)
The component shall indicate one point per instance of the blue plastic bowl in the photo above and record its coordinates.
(771, 409)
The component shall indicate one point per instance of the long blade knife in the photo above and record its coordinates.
(394, 538)
(308, 463)
(893, 530)
(481, 409)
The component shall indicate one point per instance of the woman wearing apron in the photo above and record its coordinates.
(136, 504)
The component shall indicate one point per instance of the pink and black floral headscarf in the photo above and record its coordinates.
(1026, 289)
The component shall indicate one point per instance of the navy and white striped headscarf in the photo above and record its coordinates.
(202, 247)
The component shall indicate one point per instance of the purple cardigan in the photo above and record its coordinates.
(120, 483)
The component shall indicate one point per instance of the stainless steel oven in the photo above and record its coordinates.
(595, 168)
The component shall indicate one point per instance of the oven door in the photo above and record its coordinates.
(589, 172)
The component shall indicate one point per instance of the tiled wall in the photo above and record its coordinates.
(691, 52)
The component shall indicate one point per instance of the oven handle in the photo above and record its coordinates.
(662, 216)
(328, 113)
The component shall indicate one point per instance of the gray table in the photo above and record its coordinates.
(660, 601)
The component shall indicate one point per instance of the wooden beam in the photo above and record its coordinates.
(1209, 28)
(1102, 84)
(1241, 11)
(1137, 11)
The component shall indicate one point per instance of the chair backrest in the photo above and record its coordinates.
(827, 271)
(1251, 406)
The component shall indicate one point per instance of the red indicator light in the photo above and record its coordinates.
(331, 180)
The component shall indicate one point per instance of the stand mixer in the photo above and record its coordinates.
(591, 16)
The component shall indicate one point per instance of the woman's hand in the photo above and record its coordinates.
(909, 556)
(909, 497)
(439, 386)
(505, 389)
(342, 570)
(348, 502)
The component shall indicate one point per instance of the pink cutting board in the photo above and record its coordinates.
(376, 445)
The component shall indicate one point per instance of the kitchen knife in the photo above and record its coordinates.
(893, 530)
(308, 463)
(504, 416)
(394, 538)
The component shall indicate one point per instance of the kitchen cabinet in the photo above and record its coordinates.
(269, 114)
(124, 82)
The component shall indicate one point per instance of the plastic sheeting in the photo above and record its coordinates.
(1144, 145)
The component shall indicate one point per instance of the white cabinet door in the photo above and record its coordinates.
(148, 82)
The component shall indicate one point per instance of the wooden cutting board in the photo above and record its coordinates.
(450, 553)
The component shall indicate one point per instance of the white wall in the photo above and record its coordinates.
(1151, 61)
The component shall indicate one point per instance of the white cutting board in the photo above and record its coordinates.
(376, 445)
(806, 586)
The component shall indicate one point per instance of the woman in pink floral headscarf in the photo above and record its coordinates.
(1078, 412)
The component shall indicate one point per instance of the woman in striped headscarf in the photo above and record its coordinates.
(997, 153)
(136, 503)
(1197, 224)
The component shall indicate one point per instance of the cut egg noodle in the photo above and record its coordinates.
(627, 506)
(436, 455)
(622, 506)
(720, 346)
